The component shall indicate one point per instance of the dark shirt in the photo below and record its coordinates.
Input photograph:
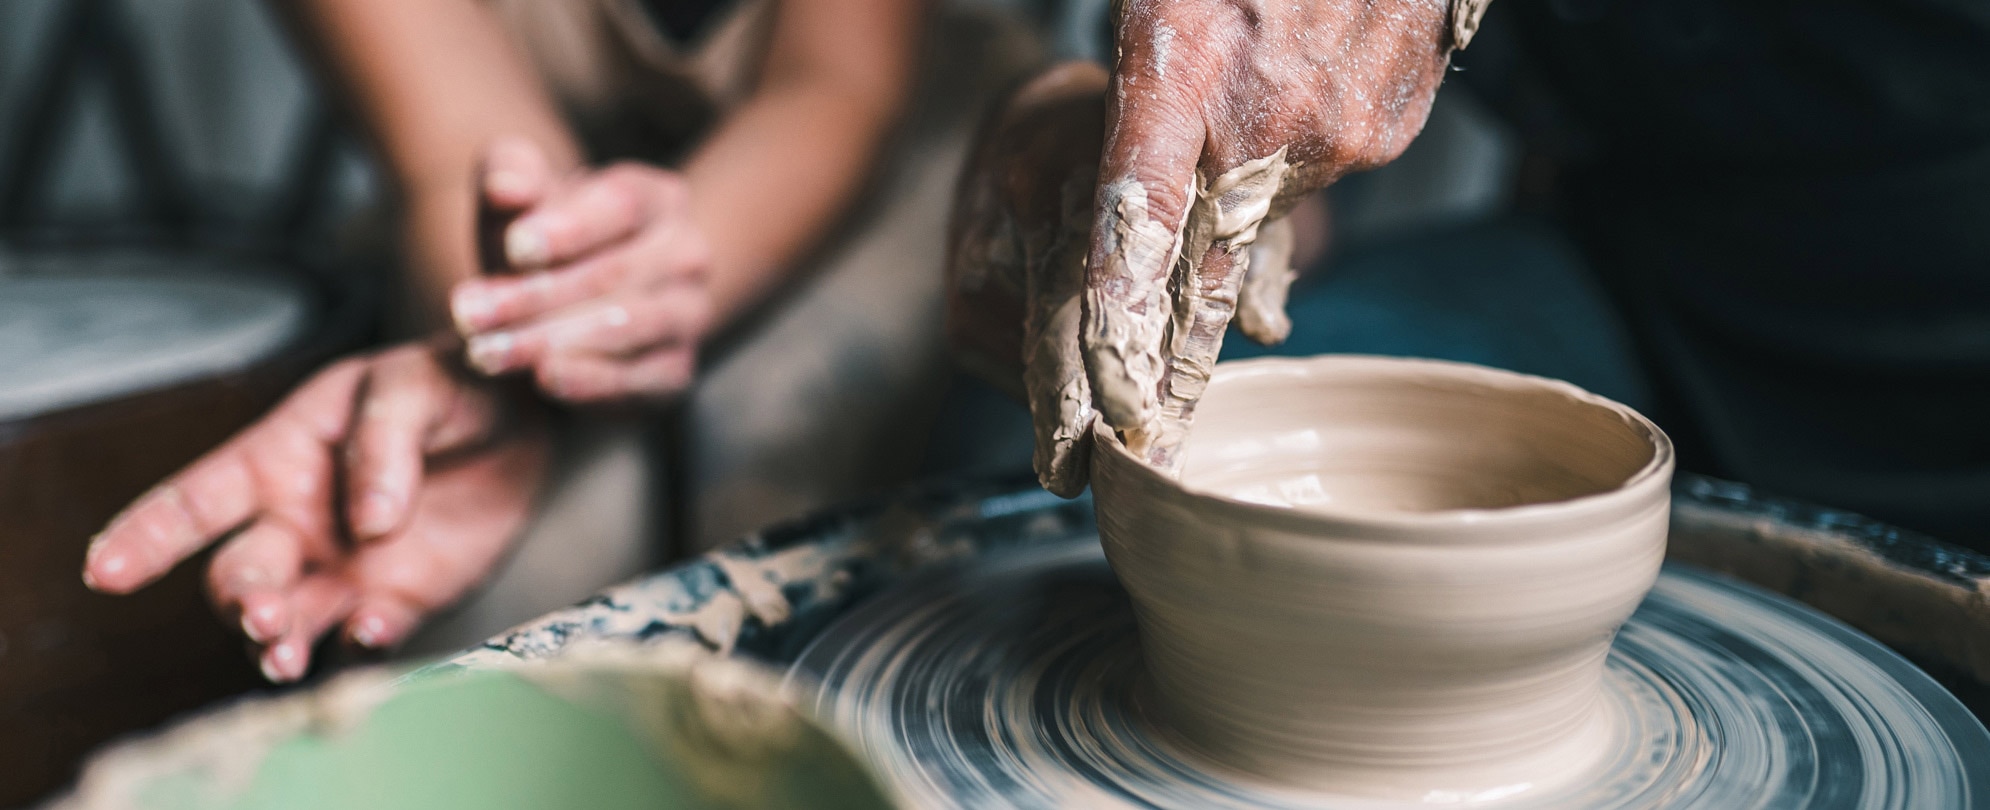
(683, 21)
(1791, 199)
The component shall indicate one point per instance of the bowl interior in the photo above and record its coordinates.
(1374, 435)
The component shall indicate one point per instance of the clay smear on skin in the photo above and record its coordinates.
(1124, 327)
(1135, 336)
(1390, 629)
(1053, 373)
(1224, 217)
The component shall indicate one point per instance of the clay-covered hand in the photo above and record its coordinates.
(1016, 273)
(1016, 263)
(382, 489)
(1221, 114)
(601, 291)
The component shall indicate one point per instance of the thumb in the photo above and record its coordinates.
(512, 176)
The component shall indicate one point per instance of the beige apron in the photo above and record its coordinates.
(628, 89)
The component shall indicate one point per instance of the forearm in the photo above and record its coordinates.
(784, 165)
(434, 81)
(773, 178)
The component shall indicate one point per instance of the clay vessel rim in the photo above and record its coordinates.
(1649, 484)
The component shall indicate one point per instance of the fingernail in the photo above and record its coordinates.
(491, 354)
(376, 514)
(97, 565)
(279, 663)
(525, 246)
(370, 632)
(260, 624)
(472, 310)
(504, 182)
(249, 629)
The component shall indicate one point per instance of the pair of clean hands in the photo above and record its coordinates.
(388, 486)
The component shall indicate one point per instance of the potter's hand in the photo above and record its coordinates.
(382, 489)
(1016, 264)
(605, 297)
(1020, 236)
(1221, 113)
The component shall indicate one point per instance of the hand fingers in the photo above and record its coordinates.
(621, 325)
(1261, 303)
(1223, 223)
(1147, 174)
(224, 488)
(383, 621)
(411, 408)
(515, 174)
(170, 523)
(402, 399)
(604, 208)
(584, 378)
(459, 535)
(317, 604)
(250, 575)
(1146, 177)
(1059, 395)
(484, 304)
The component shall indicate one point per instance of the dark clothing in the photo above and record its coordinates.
(1791, 202)
(682, 21)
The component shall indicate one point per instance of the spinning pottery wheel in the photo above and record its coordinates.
(1016, 681)
(1373, 582)
(972, 645)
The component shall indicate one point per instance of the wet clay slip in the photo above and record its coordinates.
(1392, 578)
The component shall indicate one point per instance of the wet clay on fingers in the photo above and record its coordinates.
(1149, 347)
(1390, 578)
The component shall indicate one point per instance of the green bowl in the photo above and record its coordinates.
(608, 728)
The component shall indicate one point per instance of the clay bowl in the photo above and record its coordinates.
(1388, 577)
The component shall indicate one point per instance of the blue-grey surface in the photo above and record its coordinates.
(1015, 682)
(88, 328)
(766, 594)
(772, 594)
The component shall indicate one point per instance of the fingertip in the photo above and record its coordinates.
(264, 618)
(525, 246)
(473, 308)
(375, 631)
(270, 672)
(506, 185)
(374, 514)
(285, 661)
(108, 571)
(514, 172)
(554, 380)
(491, 354)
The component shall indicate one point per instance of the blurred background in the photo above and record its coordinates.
(188, 226)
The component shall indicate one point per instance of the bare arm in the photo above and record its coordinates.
(630, 266)
(781, 167)
(435, 81)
